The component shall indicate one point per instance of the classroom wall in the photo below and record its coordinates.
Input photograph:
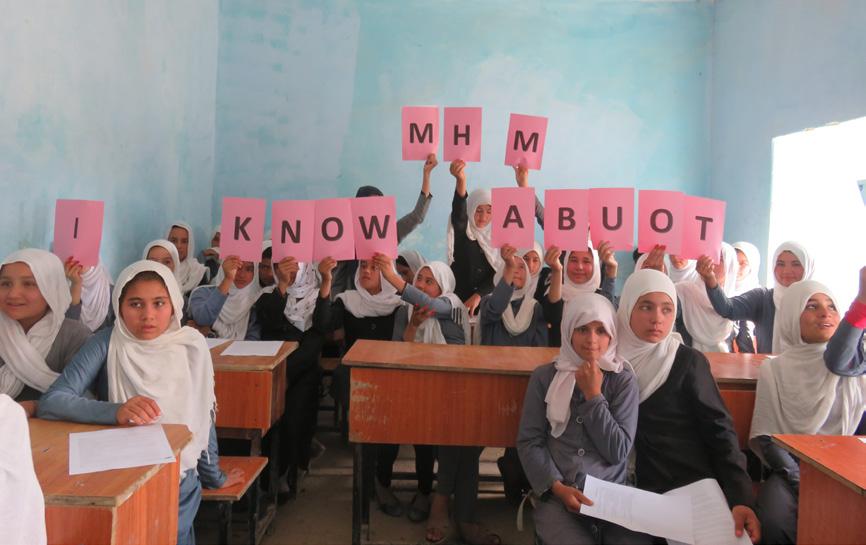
(309, 95)
(107, 100)
(780, 66)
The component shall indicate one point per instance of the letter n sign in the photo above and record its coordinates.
(420, 132)
(242, 228)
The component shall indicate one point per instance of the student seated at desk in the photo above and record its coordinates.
(684, 431)
(148, 368)
(190, 273)
(226, 309)
(286, 314)
(91, 294)
(22, 506)
(796, 394)
(408, 263)
(434, 315)
(36, 339)
(579, 418)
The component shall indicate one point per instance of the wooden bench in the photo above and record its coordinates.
(252, 467)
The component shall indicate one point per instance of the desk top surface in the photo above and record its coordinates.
(249, 363)
(841, 457)
(49, 441)
(735, 368)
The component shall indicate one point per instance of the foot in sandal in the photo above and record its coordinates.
(388, 502)
(438, 527)
(476, 534)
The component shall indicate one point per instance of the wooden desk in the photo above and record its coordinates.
(737, 375)
(832, 506)
(121, 506)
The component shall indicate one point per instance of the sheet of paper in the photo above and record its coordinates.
(253, 348)
(863, 439)
(712, 522)
(211, 343)
(639, 510)
(118, 449)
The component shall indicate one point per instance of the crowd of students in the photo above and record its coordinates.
(630, 382)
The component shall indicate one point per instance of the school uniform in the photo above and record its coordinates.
(684, 431)
(190, 273)
(796, 394)
(565, 437)
(759, 305)
(30, 362)
(174, 369)
(22, 506)
(230, 316)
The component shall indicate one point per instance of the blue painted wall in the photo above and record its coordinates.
(106, 100)
(309, 94)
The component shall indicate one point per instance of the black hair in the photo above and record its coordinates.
(267, 253)
(402, 261)
(636, 255)
(368, 191)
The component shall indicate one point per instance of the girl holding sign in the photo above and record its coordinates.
(797, 394)
(791, 263)
(36, 339)
(148, 368)
(190, 273)
(684, 431)
(584, 403)
(226, 310)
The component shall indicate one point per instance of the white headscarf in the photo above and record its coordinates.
(174, 369)
(753, 256)
(168, 247)
(22, 506)
(651, 362)
(686, 274)
(517, 324)
(301, 297)
(190, 271)
(533, 279)
(779, 290)
(414, 260)
(570, 288)
(795, 392)
(477, 197)
(709, 331)
(24, 353)
(234, 316)
(363, 304)
(95, 296)
(430, 331)
(581, 310)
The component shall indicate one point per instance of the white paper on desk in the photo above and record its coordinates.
(663, 516)
(712, 521)
(212, 343)
(119, 448)
(253, 348)
(863, 439)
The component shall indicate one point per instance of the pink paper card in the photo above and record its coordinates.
(525, 143)
(375, 226)
(704, 228)
(420, 132)
(334, 230)
(78, 230)
(242, 228)
(611, 217)
(660, 220)
(462, 136)
(292, 228)
(513, 217)
(566, 218)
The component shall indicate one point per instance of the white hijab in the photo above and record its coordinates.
(413, 259)
(796, 393)
(168, 247)
(779, 290)
(651, 362)
(709, 331)
(363, 304)
(22, 506)
(483, 236)
(533, 279)
(95, 296)
(234, 316)
(581, 310)
(753, 256)
(430, 331)
(301, 297)
(516, 324)
(686, 274)
(24, 353)
(190, 271)
(174, 369)
(570, 288)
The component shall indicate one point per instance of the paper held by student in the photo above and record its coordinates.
(253, 348)
(696, 514)
(119, 448)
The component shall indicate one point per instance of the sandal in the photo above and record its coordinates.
(388, 502)
(474, 533)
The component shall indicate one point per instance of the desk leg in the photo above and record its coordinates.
(252, 511)
(360, 499)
